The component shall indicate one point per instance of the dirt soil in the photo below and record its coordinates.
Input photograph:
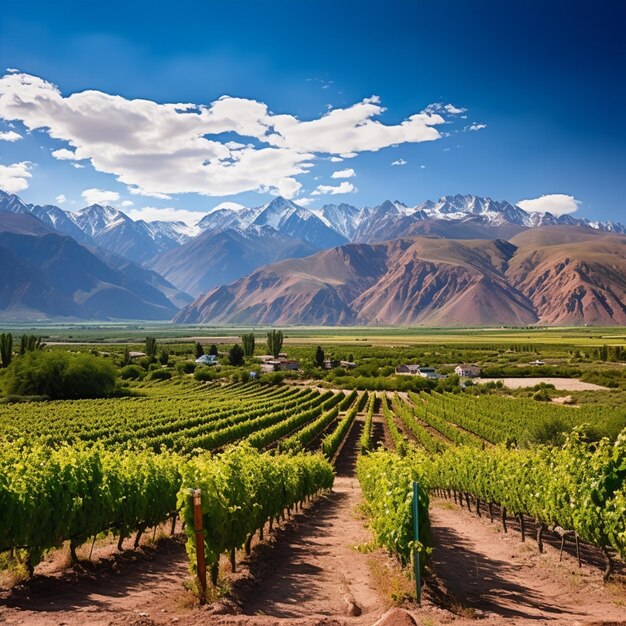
(310, 573)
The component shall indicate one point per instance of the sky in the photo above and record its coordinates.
(166, 110)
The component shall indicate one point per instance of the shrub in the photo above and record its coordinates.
(132, 372)
(186, 367)
(205, 373)
(160, 375)
(272, 378)
(60, 375)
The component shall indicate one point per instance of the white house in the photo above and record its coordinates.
(468, 371)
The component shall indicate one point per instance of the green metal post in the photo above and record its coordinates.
(416, 537)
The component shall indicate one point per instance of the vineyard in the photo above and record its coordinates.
(464, 446)
(73, 471)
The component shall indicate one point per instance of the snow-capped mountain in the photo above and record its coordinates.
(461, 207)
(298, 222)
(228, 215)
(107, 228)
(344, 218)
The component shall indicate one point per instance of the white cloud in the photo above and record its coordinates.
(555, 203)
(64, 154)
(14, 177)
(336, 159)
(10, 135)
(99, 196)
(12, 70)
(136, 191)
(231, 206)
(399, 162)
(422, 167)
(348, 173)
(450, 108)
(303, 201)
(153, 214)
(476, 126)
(60, 199)
(78, 166)
(344, 187)
(127, 203)
(162, 149)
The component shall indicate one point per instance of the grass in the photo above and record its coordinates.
(135, 332)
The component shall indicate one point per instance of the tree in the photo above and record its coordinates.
(235, 355)
(319, 356)
(213, 350)
(29, 343)
(248, 344)
(6, 349)
(199, 350)
(164, 357)
(151, 347)
(60, 375)
(126, 357)
(275, 342)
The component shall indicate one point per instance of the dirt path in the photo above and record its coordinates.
(312, 571)
(494, 575)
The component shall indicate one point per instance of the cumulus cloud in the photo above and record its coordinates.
(14, 177)
(10, 135)
(399, 162)
(336, 159)
(99, 196)
(476, 126)
(304, 201)
(60, 199)
(64, 154)
(153, 214)
(344, 187)
(127, 203)
(347, 173)
(555, 203)
(78, 166)
(163, 149)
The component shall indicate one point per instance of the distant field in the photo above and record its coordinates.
(137, 331)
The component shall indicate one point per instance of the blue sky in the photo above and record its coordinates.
(543, 83)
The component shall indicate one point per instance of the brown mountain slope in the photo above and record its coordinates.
(572, 278)
(406, 281)
(550, 275)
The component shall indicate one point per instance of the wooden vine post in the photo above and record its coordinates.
(197, 526)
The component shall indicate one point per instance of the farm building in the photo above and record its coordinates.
(468, 371)
(278, 365)
(207, 359)
(409, 368)
(428, 372)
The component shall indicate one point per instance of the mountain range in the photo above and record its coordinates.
(237, 250)
(549, 275)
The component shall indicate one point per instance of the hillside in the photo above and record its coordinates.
(46, 275)
(546, 275)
